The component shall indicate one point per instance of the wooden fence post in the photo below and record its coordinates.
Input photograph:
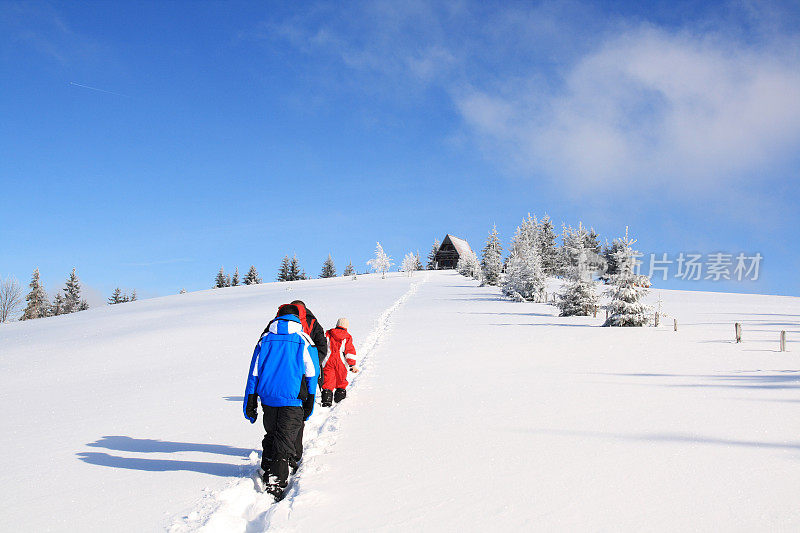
(675, 323)
(595, 312)
(606, 313)
(738, 329)
(783, 341)
(656, 321)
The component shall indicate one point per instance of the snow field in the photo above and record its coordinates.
(475, 413)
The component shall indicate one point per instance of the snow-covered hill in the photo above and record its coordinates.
(472, 412)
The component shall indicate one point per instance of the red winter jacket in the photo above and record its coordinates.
(337, 362)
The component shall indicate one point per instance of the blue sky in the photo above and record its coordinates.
(149, 143)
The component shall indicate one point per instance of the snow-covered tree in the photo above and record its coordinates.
(577, 297)
(72, 295)
(418, 262)
(410, 263)
(221, 280)
(381, 262)
(283, 271)
(328, 268)
(469, 265)
(627, 288)
(235, 279)
(349, 270)
(492, 262)
(548, 250)
(58, 305)
(38, 304)
(524, 279)
(182, 291)
(609, 251)
(592, 241)
(432, 255)
(133, 296)
(117, 297)
(252, 276)
(295, 272)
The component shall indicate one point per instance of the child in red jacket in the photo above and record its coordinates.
(337, 363)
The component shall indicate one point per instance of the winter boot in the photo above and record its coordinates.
(292, 466)
(339, 395)
(327, 397)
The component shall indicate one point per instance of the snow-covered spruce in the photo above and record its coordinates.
(469, 265)
(432, 255)
(72, 302)
(548, 251)
(410, 263)
(252, 277)
(524, 279)
(578, 296)
(328, 268)
(349, 270)
(38, 304)
(492, 261)
(627, 288)
(382, 262)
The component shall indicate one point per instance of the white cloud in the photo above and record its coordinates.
(647, 107)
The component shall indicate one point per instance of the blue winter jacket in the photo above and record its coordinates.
(283, 358)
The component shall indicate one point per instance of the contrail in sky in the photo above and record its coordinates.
(99, 90)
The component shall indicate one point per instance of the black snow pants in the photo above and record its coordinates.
(282, 426)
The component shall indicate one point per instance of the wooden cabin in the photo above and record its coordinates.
(451, 249)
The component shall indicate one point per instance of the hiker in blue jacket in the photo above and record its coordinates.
(283, 374)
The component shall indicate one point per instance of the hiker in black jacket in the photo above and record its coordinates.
(317, 333)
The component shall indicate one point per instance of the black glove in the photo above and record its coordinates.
(308, 406)
(251, 411)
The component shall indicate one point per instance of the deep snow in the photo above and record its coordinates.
(472, 412)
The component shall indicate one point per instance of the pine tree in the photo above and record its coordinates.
(328, 268)
(382, 262)
(220, 281)
(492, 262)
(294, 269)
(349, 270)
(525, 277)
(432, 255)
(592, 242)
(133, 296)
(609, 251)
(283, 271)
(72, 294)
(38, 303)
(83, 305)
(58, 305)
(417, 262)
(116, 297)
(235, 280)
(548, 250)
(627, 288)
(469, 265)
(252, 276)
(182, 291)
(577, 297)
